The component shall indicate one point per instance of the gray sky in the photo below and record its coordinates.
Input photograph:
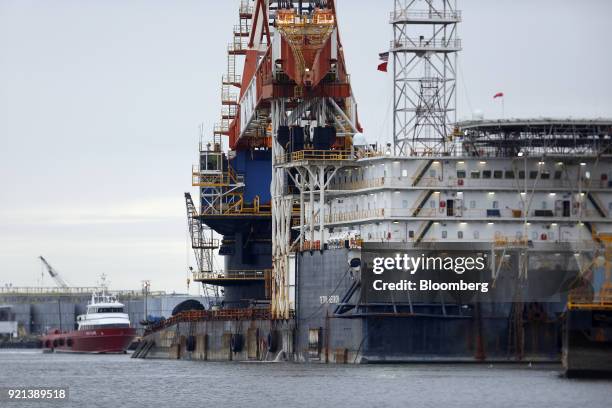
(100, 103)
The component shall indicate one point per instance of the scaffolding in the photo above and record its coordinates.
(581, 299)
(424, 49)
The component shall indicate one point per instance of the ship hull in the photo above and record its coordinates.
(326, 329)
(112, 340)
(587, 343)
(508, 324)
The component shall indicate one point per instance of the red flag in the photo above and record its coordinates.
(383, 66)
(498, 95)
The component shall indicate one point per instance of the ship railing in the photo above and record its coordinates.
(206, 243)
(228, 112)
(206, 315)
(442, 213)
(398, 181)
(246, 9)
(222, 127)
(583, 300)
(501, 241)
(237, 207)
(315, 155)
(230, 274)
(365, 154)
(231, 79)
(451, 44)
(85, 290)
(228, 97)
(241, 30)
(542, 185)
(353, 215)
(289, 18)
(357, 185)
(238, 45)
(25, 290)
(216, 179)
(425, 15)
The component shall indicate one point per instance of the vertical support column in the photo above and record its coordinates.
(302, 186)
(278, 268)
(281, 221)
(311, 205)
(321, 204)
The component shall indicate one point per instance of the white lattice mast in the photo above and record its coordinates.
(424, 50)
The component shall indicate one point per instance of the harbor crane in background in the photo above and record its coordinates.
(56, 277)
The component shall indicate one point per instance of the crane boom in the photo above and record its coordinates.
(56, 277)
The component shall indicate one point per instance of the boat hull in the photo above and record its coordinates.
(112, 340)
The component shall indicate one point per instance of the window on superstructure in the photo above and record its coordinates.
(544, 205)
(533, 174)
(460, 174)
(509, 174)
(475, 174)
(460, 234)
(444, 234)
(497, 174)
(476, 234)
(495, 204)
(558, 174)
(545, 175)
(411, 234)
(521, 175)
(404, 173)
(110, 310)
(486, 174)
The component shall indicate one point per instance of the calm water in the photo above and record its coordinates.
(118, 381)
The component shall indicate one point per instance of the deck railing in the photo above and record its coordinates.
(247, 274)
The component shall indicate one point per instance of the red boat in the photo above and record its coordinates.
(105, 328)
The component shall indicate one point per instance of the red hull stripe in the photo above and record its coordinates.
(91, 341)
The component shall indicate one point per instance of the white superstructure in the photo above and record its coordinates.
(103, 311)
(553, 193)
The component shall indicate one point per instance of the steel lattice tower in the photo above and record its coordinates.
(424, 51)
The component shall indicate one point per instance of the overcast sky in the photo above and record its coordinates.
(100, 103)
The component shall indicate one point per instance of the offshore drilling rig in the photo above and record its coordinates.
(289, 115)
(301, 202)
(294, 89)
